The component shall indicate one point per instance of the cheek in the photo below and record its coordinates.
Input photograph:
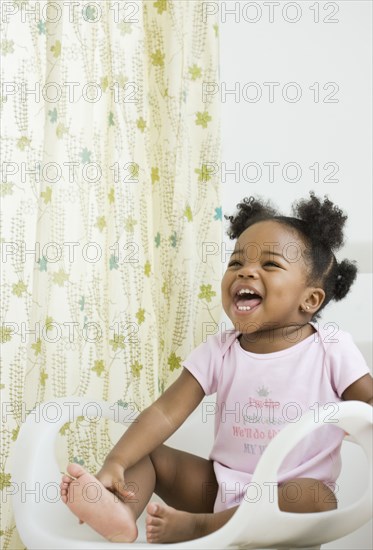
(225, 286)
(225, 283)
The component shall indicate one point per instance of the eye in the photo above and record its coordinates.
(234, 263)
(271, 264)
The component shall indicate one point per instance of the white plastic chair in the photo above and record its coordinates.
(48, 524)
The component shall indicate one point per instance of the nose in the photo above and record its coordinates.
(248, 270)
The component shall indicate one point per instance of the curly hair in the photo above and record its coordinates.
(320, 225)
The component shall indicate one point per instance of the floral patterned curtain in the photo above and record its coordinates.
(109, 203)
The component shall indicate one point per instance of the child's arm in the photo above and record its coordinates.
(361, 390)
(151, 428)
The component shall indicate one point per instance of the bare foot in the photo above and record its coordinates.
(93, 504)
(165, 524)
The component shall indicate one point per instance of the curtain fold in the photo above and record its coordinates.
(105, 284)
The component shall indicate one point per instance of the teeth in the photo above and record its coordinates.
(245, 291)
(243, 308)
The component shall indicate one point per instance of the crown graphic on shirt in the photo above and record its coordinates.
(263, 391)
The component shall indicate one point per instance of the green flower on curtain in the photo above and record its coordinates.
(85, 155)
(19, 289)
(47, 195)
(161, 6)
(134, 170)
(43, 378)
(141, 124)
(113, 262)
(60, 277)
(195, 72)
(173, 239)
(158, 58)
(125, 28)
(52, 115)
(147, 268)
(48, 323)
(7, 46)
(15, 433)
(104, 83)
(89, 13)
(99, 367)
(76, 460)
(5, 480)
(216, 29)
(81, 303)
(188, 213)
(5, 334)
(174, 362)
(129, 224)
(111, 195)
(140, 316)
(100, 223)
(202, 119)
(117, 342)
(42, 263)
(6, 189)
(206, 293)
(218, 213)
(155, 174)
(65, 428)
(37, 347)
(204, 173)
(56, 49)
(61, 130)
(136, 368)
(23, 142)
(41, 27)
(157, 239)
(111, 119)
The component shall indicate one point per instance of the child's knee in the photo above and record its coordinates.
(306, 495)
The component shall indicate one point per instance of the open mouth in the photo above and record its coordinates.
(246, 299)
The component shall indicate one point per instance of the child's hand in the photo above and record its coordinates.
(111, 476)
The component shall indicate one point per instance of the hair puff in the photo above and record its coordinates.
(324, 220)
(345, 276)
(249, 210)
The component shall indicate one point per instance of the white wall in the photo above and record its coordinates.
(336, 55)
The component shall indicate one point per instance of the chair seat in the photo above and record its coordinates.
(48, 524)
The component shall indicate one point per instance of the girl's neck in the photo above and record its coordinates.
(276, 339)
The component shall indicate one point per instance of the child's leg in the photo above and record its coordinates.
(185, 480)
(306, 495)
(166, 524)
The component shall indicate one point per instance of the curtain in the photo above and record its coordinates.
(110, 209)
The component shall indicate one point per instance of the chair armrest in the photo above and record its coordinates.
(251, 520)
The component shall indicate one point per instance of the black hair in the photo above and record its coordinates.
(320, 225)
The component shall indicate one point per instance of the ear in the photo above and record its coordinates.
(313, 300)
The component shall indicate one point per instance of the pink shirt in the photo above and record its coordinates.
(258, 394)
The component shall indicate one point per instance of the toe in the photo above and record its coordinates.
(153, 521)
(151, 535)
(152, 508)
(75, 470)
(156, 510)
